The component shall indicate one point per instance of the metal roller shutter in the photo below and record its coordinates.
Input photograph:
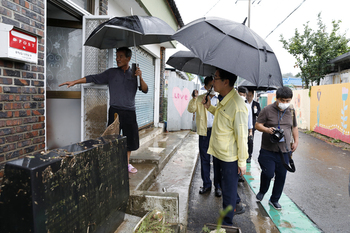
(144, 102)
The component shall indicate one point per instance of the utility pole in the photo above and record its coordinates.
(249, 3)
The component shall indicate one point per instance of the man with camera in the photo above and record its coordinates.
(278, 123)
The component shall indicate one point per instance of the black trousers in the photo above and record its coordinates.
(128, 124)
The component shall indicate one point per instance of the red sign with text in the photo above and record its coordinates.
(23, 41)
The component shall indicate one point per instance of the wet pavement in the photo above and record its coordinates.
(320, 184)
(315, 197)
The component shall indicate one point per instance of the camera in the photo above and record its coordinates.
(277, 135)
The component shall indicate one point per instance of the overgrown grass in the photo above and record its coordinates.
(308, 132)
(155, 222)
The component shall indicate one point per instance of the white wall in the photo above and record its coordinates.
(179, 94)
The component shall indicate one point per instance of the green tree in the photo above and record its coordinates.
(313, 50)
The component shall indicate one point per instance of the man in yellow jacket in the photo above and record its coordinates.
(204, 122)
(229, 138)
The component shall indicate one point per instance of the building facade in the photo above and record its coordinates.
(36, 114)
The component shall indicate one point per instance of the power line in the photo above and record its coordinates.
(285, 18)
(212, 7)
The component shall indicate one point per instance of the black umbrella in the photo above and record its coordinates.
(188, 62)
(262, 87)
(130, 31)
(233, 47)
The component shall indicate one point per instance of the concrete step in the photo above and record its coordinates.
(176, 177)
(151, 186)
(151, 158)
(149, 133)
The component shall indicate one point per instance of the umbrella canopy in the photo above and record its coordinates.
(130, 31)
(233, 47)
(188, 62)
(262, 87)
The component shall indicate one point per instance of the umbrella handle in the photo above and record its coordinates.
(134, 66)
(208, 93)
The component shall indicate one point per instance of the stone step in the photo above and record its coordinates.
(176, 177)
(144, 177)
(159, 149)
(148, 134)
(150, 160)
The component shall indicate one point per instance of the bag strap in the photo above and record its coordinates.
(290, 168)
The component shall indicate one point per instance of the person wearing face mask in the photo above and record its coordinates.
(278, 115)
(204, 122)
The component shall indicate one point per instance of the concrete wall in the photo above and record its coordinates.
(334, 78)
(179, 94)
(301, 103)
(329, 110)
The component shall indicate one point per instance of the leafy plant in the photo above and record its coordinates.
(220, 219)
(155, 221)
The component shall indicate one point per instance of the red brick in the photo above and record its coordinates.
(10, 106)
(14, 138)
(24, 143)
(31, 134)
(38, 112)
(23, 128)
(6, 81)
(13, 122)
(7, 148)
(38, 140)
(38, 97)
(38, 126)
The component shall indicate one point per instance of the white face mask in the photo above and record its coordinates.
(283, 106)
(243, 98)
(212, 92)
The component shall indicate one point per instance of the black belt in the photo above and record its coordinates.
(208, 129)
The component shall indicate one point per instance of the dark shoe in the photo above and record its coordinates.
(218, 192)
(240, 179)
(259, 196)
(204, 190)
(240, 209)
(249, 160)
(275, 205)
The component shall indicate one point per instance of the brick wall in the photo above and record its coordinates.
(22, 93)
(103, 9)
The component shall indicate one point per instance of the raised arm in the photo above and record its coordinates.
(72, 83)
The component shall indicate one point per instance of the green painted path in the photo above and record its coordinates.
(290, 218)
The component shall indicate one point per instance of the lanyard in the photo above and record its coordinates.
(279, 119)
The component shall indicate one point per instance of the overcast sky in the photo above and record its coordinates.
(265, 17)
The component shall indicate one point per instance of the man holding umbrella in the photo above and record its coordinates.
(204, 121)
(228, 141)
(122, 85)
